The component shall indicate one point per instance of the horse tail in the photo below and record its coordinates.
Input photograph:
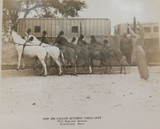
(62, 57)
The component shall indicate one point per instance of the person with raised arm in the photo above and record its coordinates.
(139, 53)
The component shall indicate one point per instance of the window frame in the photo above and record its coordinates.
(74, 29)
(37, 29)
(155, 29)
(147, 27)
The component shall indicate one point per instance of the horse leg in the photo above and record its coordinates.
(19, 60)
(59, 66)
(23, 63)
(35, 63)
(51, 61)
(44, 67)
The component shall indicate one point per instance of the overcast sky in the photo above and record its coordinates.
(122, 11)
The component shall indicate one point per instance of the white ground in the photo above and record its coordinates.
(122, 101)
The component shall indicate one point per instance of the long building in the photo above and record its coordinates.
(72, 27)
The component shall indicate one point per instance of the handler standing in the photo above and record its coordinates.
(140, 55)
(126, 47)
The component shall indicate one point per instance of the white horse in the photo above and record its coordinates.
(53, 51)
(30, 49)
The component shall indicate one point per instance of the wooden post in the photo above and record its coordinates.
(134, 24)
(80, 28)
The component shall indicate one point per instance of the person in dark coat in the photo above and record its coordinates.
(73, 40)
(93, 39)
(61, 40)
(27, 33)
(106, 42)
(126, 47)
(81, 41)
(44, 38)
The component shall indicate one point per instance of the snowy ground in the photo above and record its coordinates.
(122, 101)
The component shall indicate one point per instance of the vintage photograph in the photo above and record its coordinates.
(80, 64)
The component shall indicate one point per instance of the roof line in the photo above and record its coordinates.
(62, 18)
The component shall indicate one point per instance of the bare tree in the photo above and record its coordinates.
(13, 8)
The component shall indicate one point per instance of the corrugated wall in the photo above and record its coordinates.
(97, 27)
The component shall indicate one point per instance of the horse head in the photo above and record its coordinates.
(8, 35)
(33, 39)
(10, 32)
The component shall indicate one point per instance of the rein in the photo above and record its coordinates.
(23, 44)
(30, 45)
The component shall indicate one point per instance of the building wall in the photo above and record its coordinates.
(86, 26)
(119, 29)
(151, 41)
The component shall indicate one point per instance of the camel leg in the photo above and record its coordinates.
(91, 62)
(88, 62)
(90, 66)
(106, 70)
(110, 66)
(101, 64)
(19, 60)
(124, 69)
(121, 69)
(73, 61)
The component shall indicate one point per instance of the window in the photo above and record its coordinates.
(74, 29)
(37, 29)
(156, 29)
(147, 29)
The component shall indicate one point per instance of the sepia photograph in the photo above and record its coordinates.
(80, 64)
